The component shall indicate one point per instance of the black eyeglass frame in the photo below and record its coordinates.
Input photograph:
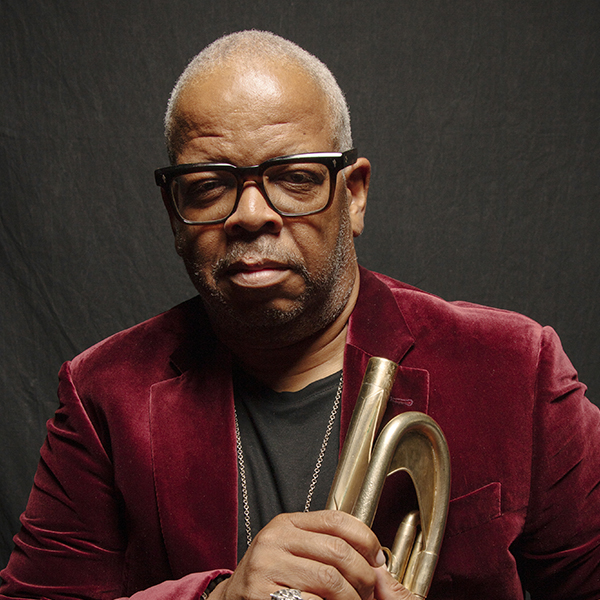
(334, 161)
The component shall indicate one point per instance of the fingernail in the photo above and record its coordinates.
(380, 559)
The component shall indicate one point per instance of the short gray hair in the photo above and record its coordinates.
(254, 44)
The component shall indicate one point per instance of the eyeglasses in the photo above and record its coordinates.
(293, 186)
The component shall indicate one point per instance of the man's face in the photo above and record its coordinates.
(258, 270)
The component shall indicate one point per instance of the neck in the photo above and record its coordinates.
(294, 366)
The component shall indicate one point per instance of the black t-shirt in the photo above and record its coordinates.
(282, 434)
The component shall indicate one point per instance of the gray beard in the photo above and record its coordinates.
(324, 298)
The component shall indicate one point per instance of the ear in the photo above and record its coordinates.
(358, 176)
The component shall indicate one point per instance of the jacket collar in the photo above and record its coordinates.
(377, 327)
(199, 342)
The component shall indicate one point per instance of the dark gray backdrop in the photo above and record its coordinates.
(481, 119)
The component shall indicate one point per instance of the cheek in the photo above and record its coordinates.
(198, 249)
(197, 264)
(184, 242)
(318, 238)
(310, 241)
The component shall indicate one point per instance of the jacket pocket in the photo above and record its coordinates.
(474, 509)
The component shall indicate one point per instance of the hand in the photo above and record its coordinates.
(388, 588)
(325, 554)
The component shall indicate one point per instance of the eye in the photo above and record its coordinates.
(200, 189)
(205, 186)
(297, 178)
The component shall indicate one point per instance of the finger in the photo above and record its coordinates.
(317, 563)
(330, 539)
(342, 525)
(388, 588)
(332, 563)
(269, 566)
(318, 580)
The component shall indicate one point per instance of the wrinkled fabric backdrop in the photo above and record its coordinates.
(481, 120)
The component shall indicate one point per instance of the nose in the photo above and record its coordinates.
(252, 214)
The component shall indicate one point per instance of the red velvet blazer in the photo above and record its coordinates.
(136, 490)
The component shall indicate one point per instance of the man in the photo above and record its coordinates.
(245, 392)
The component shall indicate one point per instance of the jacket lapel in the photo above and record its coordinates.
(194, 462)
(378, 328)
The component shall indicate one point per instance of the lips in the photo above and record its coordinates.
(257, 274)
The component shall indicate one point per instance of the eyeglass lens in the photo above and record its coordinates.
(210, 195)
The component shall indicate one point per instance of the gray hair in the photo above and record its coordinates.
(254, 44)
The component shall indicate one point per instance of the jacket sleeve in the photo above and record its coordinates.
(73, 539)
(560, 546)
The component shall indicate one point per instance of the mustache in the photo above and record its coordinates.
(256, 252)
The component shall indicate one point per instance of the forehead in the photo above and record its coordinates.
(251, 111)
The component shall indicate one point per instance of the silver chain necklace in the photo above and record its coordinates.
(316, 472)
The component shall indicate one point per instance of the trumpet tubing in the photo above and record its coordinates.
(411, 442)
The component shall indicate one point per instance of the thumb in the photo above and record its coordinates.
(387, 588)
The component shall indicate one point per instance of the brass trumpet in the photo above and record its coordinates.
(412, 442)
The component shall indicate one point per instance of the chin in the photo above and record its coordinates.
(269, 325)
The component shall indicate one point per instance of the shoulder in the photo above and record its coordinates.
(426, 313)
(146, 352)
(462, 334)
